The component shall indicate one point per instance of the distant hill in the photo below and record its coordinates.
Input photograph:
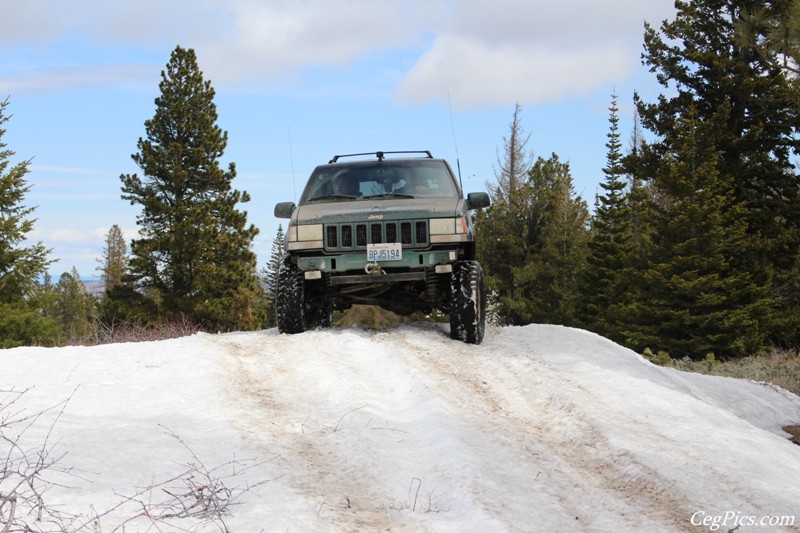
(94, 287)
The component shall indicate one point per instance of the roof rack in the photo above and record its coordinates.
(382, 155)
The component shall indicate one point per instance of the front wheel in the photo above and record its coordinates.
(290, 299)
(467, 302)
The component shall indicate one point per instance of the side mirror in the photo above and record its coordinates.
(284, 209)
(478, 200)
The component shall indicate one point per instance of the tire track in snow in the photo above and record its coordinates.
(644, 414)
(332, 438)
(499, 435)
(532, 404)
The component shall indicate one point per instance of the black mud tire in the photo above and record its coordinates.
(467, 302)
(290, 299)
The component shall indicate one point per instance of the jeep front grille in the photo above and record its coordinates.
(331, 236)
(410, 233)
(347, 235)
(422, 232)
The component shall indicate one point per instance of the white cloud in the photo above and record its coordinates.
(281, 37)
(70, 235)
(511, 51)
(482, 53)
(144, 76)
(80, 171)
(144, 22)
(236, 40)
(101, 233)
(477, 75)
(28, 21)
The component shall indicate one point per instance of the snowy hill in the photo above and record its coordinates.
(540, 428)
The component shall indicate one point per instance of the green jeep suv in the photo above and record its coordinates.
(394, 232)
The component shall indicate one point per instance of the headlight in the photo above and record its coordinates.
(448, 229)
(304, 236)
(309, 232)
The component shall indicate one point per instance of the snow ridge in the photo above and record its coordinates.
(540, 428)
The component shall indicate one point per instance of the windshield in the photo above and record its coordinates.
(380, 179)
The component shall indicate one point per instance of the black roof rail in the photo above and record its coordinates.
(382, 155)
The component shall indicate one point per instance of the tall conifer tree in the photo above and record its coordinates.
(270, 274)
(275, 260)
(21, 321)
(724, 59)
(502, 229)
(195, 249)
(605, 280)
(115, 259)
(545, 286)
(533, 247)
(696, 298)
(640, 195)
(76, 308)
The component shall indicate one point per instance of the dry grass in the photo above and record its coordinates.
(130, 331)
(794, 431)
(778, 367)
(775, 366)
(374, 317)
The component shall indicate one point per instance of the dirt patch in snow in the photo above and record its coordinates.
(794, 431)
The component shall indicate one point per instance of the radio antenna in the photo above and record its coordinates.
(291, 160)
(453, 128)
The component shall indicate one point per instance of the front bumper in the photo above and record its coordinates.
(357, 261)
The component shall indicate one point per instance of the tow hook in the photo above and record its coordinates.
(373, 269)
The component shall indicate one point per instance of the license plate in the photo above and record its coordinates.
(387, 251)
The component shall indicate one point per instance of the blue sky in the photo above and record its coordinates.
(298, 81)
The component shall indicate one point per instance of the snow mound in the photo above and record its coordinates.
(540, 428)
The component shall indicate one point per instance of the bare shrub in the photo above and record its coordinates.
(195, 497)
(775, 366)
(131, 331)
(28, 471)
(427, 504)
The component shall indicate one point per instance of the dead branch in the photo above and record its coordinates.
(344, 415)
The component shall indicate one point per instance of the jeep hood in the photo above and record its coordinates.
(378, 209)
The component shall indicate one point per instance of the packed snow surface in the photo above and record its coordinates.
(540, 428)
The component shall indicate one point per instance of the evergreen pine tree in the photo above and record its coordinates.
(640, 195)
(275, 260)
(115, 259)
(544, 286)
(46, 294)
(696, 297)
(773, 32)
(195, 250)
(532, 247)
(604, 281)
(21, 321)
(502, 231)
(76, 308)
(726, 61)
(270, 274)
(502, 243)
